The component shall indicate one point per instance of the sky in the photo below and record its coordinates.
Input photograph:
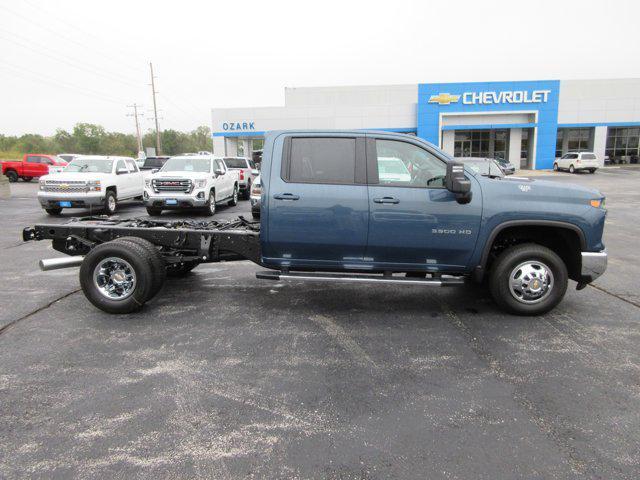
(73, 61)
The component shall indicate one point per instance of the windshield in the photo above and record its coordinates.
(487, 169)
(236, 162)
(90, 165)
(175, 164)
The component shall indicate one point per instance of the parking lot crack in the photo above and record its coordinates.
(6, 327)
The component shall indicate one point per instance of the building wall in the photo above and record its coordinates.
(599, 101)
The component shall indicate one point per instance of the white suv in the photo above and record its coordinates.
(191, 181)
(91, 181)
(574, 161)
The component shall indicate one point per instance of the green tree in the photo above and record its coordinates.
(88, 137)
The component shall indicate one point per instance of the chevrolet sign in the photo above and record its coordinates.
(492, 98)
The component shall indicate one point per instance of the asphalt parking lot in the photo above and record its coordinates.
(226, 376)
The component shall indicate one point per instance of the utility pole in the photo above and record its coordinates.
(155, 110)
(135, 115)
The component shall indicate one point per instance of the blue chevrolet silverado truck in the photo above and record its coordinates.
(356, 207)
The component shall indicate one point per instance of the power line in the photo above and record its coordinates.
(72, 63)
(37, 76)
(58, 34)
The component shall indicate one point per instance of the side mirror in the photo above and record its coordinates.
(456, 182)
(121, 171)
(255, 171)
(219, 171)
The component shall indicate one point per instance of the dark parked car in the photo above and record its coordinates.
(152, 163)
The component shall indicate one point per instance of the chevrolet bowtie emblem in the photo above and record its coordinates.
(444, 98)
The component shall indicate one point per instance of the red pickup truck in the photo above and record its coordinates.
(32, 165)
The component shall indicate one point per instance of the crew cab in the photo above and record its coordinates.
(577, 161)
(191, 181)
(334, 208)
(247, 173)
(33, 165)
(91, 182)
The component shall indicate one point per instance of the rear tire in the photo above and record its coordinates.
(234, 199)
(53, 211)
(509, 274)
(12, 176)
(110, 203)
(27, 179)
(255, 215)
(247, 192)
(154, 212)
(156, 261)
(572, 169)
(103, 270)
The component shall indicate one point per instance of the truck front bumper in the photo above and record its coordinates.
(77, 200)
(594, 264)
(177, 200)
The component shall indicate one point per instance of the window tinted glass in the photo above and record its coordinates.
(90, 165)
(33, 159)
(323, 160)
(221, 165)
(406, 165)
(177, 164)
(588, 156)
(236, 162)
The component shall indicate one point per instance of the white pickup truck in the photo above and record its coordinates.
(191, 181)
(91, 182)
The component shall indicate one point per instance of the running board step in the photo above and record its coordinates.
(444, 281)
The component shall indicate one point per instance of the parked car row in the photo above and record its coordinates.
(32, 166)
(189, 181)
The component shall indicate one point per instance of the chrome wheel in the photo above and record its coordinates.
(212, 203)
(114, 278)
(235, 195)
(531, 282)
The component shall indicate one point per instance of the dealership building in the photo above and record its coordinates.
(529, 123)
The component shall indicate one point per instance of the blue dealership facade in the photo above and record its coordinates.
(529, 123)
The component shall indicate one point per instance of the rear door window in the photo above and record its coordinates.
(322, 160)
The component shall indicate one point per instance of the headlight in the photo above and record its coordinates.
(42, 184)
(94, 186)
(147, 182)
(200, 183)
(598, 203)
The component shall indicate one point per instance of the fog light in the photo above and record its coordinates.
(145, 195)
(200, 195)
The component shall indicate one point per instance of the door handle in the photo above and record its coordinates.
(286, 196)
(386, 200)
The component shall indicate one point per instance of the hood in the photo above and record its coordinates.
(527, 189)
(74, 176)
(181, 174)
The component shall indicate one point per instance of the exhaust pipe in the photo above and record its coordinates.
(47, 264)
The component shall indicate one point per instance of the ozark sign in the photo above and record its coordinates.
(237, 126)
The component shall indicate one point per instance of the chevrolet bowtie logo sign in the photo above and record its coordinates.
(444, 99)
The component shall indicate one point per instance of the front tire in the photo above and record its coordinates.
(211, 204)
(117, 277)
(154, 212)
(528, 279)
(53, 211)
(572, 169)
(110, 203)
(555, 167)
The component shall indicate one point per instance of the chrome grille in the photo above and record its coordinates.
(62, 186)
(171, 185)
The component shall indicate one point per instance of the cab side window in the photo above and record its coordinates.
(133, 168)
(33, 159)
(221, 166)
(402, 164)
(120, 165)
(322, 160)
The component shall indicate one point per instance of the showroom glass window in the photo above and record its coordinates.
(623, 144)
(402, 164)
(322, 160)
